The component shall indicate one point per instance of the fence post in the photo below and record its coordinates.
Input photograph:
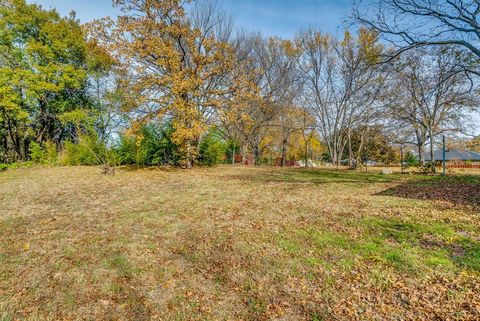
(444, 156)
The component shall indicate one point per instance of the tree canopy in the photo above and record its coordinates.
(176, 82)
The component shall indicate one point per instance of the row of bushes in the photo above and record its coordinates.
(87, 151)
(152, 145)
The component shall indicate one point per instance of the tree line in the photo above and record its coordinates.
(175, 82)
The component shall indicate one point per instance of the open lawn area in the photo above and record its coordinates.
(237, 243)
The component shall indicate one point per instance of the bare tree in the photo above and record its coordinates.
(431, 97)
(265, 76)
(342, 85)
(290, 120)
(308, 131)
(211, 20)
(413, 23)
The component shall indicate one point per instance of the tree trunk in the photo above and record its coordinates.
(189, 155)
(350, 150)
(307, 145)
(256, 154)
(432, 153)
(26, 148)
(333, 154)
(358, 157)
(336, 158)
(421, 155)
(4, 143)
(284, 153)
(244, 154)
(15, 141)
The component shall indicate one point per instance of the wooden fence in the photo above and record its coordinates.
(463, 166)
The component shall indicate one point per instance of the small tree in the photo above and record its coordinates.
(212, 149)
(47, 155)
(410, 160)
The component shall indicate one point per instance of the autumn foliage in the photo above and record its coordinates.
(183, 65)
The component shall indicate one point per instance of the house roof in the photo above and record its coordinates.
(454, 155)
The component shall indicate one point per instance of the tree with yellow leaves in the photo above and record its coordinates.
(265, 78)
(474, 144)
(172, 68)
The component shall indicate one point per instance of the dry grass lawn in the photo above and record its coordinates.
(233, 243)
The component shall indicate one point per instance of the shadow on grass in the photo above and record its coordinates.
(458, 190)
(159, 168)
(317, 176)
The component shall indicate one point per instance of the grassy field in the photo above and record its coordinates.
(233, 243)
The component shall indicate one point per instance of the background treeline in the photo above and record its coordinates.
(175, 83)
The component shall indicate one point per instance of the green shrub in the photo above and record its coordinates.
(130, 151)
(410, 160)
(88, 151)
(37, 154)
(212, 149)
(3, 167)
(428, 167)
(151, 146)
(47, 154)
(50, 153)
(231, 147)
(17, 165)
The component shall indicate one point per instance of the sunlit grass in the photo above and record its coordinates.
(233, 243)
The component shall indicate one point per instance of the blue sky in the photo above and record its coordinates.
(285, 17)
(271, 17)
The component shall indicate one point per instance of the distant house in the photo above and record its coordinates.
(456, 157)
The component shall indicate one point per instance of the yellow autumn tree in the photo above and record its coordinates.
(171, 68)
(474, 144)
